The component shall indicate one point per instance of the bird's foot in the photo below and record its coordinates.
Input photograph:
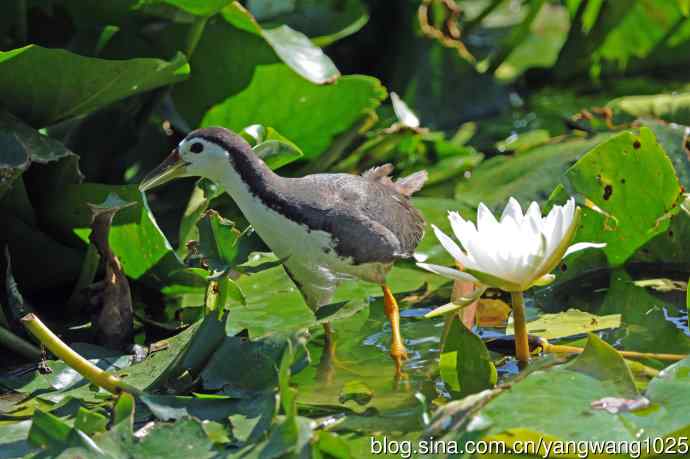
(399, 355)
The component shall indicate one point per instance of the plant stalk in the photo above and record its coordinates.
(558, 349)
(82, 366)
(194, 35)
(520, 326)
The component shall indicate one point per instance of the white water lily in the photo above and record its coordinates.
(515, 252)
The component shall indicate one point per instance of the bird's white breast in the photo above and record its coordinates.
(310, 255)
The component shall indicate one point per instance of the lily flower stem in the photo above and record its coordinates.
(59, 348)
(520, 326)
(447, 322)
(558, 349)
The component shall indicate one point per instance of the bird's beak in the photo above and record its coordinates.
(171, 168)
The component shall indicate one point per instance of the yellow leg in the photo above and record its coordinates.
(398, 352)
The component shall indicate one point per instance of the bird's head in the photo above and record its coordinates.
(205, 152)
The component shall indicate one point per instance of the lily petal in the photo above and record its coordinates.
(513, 210)
(464, 230)
(448, 272)
(582, 246)
(485, 218)
(447, 243)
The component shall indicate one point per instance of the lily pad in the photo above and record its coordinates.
(569, 323)
(631, 180)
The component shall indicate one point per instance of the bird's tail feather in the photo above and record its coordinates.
(412, 183)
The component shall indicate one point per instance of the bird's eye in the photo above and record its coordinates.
(197, 147)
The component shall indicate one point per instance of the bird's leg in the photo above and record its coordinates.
(398, 352)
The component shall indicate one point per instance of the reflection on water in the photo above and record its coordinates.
(651, 322)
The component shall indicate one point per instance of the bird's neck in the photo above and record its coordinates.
(251, 183)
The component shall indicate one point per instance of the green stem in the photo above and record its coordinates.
(558, 349)
(520, 326)
(78, 363)
(19, 345)
(194, 35)
(447, 323)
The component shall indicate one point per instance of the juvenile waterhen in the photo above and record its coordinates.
(327, 227)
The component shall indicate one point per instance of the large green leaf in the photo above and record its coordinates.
(630, 178)
(465, 363)
(240, 80)
(75, 85)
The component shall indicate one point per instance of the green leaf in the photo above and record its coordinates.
(632, 180)
(645, 327)
(298, 52)
(181, 439)
(195, 7)
(672, 138)
(218, 241)
(569, 323)
(356, 391)
(674, 108)
(174, 407)
(615, 373)
(606, 36)
(21, 145)
(13, 437)
(90, 422)
(43, 98)
(220, 373)
(294, 48)
(465, 363)
(269, 145)
(324, 21)
(240, 79)
(273, 305)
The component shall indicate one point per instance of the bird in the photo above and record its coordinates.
(326, 228)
